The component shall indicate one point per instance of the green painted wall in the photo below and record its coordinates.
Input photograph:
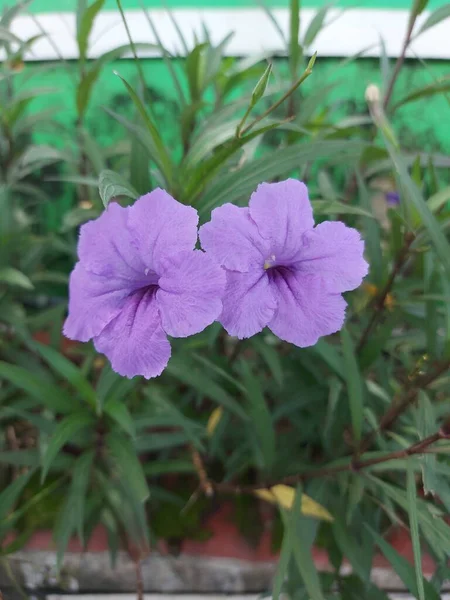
(69, 5)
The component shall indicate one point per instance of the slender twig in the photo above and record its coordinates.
(352, 466)
(400, 59)
(379, 301)
(139, 580)
(404, 402)
(202, 475)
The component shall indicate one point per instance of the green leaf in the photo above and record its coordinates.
(260, 418)
(66, 431)
(198, 379)
(414, 197)
(439, 199)
(316, 24)
(119, 412)
(287, 548)
(72, 514)
(301, 530)
(431, 89)
(350, 547)
(372, 235)
(164, 467)
(238, 185)
(402, 567)
(112, 185)
(331, 356)
(426, 426)
(354, 384)
(414, 526)
(438, 15)
(325, 207)
(70, 372)
(130, 468)
(11, 276)
(271, 358)
(51, 396)
(12, 492)
(162, 155)
(84, 28)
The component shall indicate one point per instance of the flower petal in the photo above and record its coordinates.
(306, 310)
(94, 300)
(134, 341)
(232, 238)
(158, 222)
(106, 246)
(282, 212)
(335, 252)
(190, 292)
(248, 303)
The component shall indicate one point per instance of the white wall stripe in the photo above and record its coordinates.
(348, 33)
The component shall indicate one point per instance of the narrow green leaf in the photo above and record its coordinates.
(331, 356)
(119, 412)
(112, 185)
(439, 199)
(85, 26)
(260, 417)
(301, 530)
(315, 26)
(128, 464)
(372, 235)
(440, 14)
(51, 396)
(163, 156)
(287, 548)
(271, 358)
(426, 426)
(68, 371)
(354, 384)
(414, 197)
(403, 568)
(414, 526)
(11, 493)
(11, 276)
(431, 89)
(66, 430)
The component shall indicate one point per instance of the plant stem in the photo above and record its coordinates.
(399, 407)
(274, 106)
(352, 466)
(202, 475)
(139, 581)
(400, 59)
(379, 301)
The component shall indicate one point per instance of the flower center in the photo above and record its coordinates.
(269, 262)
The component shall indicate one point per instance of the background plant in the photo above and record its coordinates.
(357, 424)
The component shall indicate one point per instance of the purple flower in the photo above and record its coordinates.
(139, 280)
(282, 272)
(392, 198)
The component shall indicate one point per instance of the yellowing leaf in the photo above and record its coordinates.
(214, 420)
(284, 496)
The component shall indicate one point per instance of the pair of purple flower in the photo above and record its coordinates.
(139, 278)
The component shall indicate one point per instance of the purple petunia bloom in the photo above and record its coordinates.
(392, 198)
(282, 272)
(139, 280)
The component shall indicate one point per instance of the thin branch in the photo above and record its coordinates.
(353, 466)
(139, 580)
(379, 302)
(274, 106)
(400, 59)
(403, 403)
(205, 484)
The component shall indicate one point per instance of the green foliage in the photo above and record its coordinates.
(82, 447)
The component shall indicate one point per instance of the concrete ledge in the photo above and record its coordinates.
(91, 572)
